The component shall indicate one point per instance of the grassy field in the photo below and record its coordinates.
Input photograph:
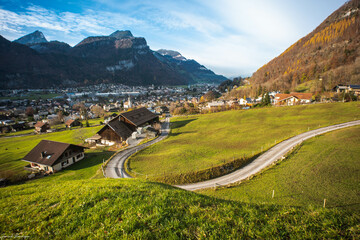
(135, 209)
(27, 131)
(34, 96)
(324, 167)
(78, 203)
(204, 142)
(12, 150)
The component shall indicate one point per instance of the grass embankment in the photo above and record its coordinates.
(206, 146)
(134, 209)
(324, 167)
(12, 150)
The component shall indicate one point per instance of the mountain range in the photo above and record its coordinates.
(327, 56)
(33, 62)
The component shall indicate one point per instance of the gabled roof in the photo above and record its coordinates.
(48, 152)
(40, 124)
(69, 122)
(120, 129)
(139, 116)
(306, 96)
(283, 96)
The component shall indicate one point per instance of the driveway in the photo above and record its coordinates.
(115, 168)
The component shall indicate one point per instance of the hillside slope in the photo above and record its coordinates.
(326, 166)
(134, 209)
(331, 53)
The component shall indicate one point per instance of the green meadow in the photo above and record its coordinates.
(60, 208)
(13, 149)
(78, 203)
(324, 167)
(203, 143)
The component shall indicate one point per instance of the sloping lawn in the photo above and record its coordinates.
(324, 167)
(134, 209)
(202, 142)
(12, 150)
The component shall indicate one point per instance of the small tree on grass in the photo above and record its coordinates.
(79, 135)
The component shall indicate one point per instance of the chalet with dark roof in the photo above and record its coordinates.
(355, 89)
(121, 127)
(114, 131)
(138, 118)
(51, 156)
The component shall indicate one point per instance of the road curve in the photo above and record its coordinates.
(264, 160)
(115, 168)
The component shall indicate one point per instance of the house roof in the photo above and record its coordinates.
(119, 128)
(354, 86)
(139, 116)
(40, 124)
(306, 96)
(283, 96)
(69, 122)
(48, 152)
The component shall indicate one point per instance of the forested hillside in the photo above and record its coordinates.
(328, 56)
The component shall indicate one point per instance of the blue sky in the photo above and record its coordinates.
(230, 37)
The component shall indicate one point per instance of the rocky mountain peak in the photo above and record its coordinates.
(121, 34)
(32, 38)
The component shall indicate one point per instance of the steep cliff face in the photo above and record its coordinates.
(327, 56)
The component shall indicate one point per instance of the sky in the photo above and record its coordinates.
(230, 37)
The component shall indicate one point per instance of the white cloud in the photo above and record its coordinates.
(90, 22)
(231, 37)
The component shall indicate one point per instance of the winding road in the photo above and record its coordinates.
(264, 160)
(116, 165)
(115, 168)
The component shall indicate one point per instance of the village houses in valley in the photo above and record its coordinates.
(51, 156)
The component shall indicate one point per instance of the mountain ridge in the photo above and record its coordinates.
(117, 58)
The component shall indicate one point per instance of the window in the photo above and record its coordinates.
(64, 163)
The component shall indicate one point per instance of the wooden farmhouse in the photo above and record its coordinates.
(41, 127)
(121, 127)
(114, 132)
(50, 156)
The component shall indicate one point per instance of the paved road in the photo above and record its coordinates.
(115, 168)
(266, 159)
